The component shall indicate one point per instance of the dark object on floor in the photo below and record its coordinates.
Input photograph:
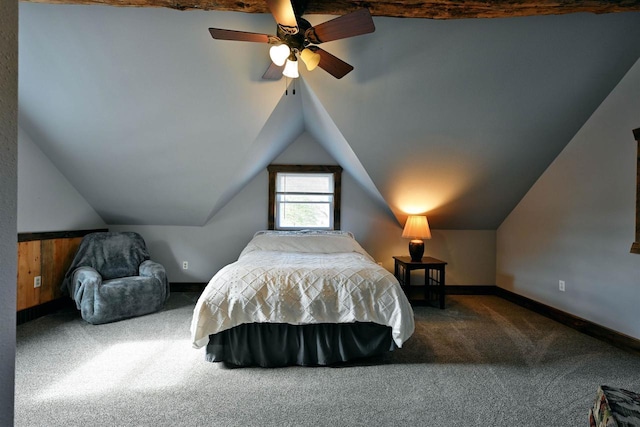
(615, 407)
(112, 278)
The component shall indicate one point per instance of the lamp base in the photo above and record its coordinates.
(416, 250)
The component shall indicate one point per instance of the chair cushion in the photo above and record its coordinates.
(123, 298)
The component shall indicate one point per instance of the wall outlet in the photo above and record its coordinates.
(37, 281)
(561, 285)
(185, 265)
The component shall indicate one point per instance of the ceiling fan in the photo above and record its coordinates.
(296, 38)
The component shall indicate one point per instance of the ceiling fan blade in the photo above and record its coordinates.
(331, 64)
(349, 25)
(283, 12)
(274, 72)
(243, 36)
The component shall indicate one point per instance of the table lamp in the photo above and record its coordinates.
(416, 228)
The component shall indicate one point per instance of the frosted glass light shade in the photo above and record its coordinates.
(279, 54)
(291, 69)
(311, 59)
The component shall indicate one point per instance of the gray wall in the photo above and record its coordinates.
(8, 202)
(470, 253)
(577, 222)
(46, 200)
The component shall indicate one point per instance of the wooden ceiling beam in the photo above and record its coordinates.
(435, 9)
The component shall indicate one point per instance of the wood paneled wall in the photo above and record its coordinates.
(47, 255)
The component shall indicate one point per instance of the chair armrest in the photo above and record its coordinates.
(83, 281)
(150, 268)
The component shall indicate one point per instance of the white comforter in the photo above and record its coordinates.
(330, 281)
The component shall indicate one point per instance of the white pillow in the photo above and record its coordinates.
(306, 241)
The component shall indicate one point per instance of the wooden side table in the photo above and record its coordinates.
(434, 279)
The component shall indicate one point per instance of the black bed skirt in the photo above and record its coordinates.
(280, 344)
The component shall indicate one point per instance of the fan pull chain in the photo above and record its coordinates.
(286, 86)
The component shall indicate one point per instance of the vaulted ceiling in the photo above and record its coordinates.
(154, 122)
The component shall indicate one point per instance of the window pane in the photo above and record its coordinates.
(304, 183)
(310, 215)
(304, 197)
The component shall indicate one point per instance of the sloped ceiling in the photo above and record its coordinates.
(156, 123)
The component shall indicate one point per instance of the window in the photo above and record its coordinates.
(304, 197)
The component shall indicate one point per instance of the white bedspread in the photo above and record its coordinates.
(301, 288)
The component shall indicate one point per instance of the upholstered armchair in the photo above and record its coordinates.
(112, 278)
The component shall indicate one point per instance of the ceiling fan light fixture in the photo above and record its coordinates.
(310, 58)
(291, 68)
(279, 54)
(294, 35)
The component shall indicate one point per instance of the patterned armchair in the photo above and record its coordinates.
(112, 278)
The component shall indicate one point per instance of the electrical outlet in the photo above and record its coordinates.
(185, 265)
(37, 281)
(561, 285)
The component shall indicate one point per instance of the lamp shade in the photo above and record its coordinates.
(291, 68)
(416, 227)
(310, 58)
(279, 54)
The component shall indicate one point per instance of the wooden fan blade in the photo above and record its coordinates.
(282, 11)
(243, 36)
(331, 64)
(349, 25)
(274, 72)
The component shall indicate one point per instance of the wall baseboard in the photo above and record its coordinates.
(43, 309)
(50, 307)
(470, 290)
(187, 286)
(602, 333)
(584, 326)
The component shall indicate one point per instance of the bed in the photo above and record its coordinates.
(301, 298)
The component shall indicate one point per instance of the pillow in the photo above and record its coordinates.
(305, 241)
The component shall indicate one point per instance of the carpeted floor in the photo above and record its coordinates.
(480, 362)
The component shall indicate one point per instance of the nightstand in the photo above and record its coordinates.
(434, 280)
